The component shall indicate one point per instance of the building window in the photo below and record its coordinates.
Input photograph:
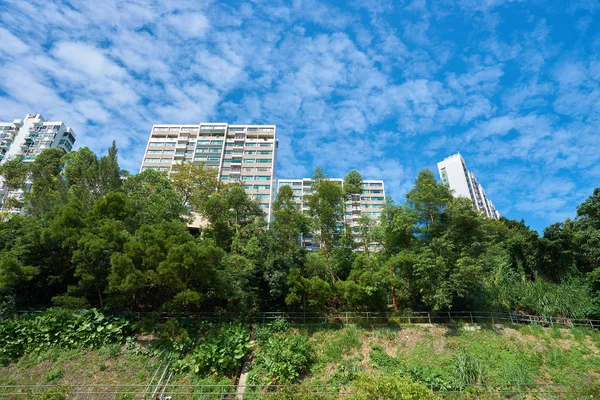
(249, 160)
(154, 144)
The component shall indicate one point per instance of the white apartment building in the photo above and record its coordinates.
(239, 153)
(462, 182)
(26, 138)
(370, 203)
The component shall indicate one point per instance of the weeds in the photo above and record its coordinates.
(468, 369)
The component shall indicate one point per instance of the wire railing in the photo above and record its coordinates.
(388, 318)
(175, 391)
(254, 392)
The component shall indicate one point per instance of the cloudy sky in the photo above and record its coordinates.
(386, 87)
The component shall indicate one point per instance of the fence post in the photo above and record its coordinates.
(304, 317)
(449, 318)
(429, 316)
(263, 318)
(367, 318)
(471, 315)
(591, 324)
(346, 317)
(409, 319)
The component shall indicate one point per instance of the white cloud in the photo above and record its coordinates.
(381, 86)
(87, 59)
(10, 44)
(188, 25)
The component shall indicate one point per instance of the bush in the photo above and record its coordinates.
(55, 393)
(59, 328)
(221, 351)
(53, 375)
(264, 332)
(377, 386)
(285, 356)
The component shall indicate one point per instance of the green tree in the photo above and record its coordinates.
(152, 200)
(14, 174)
(195, 183)
(326, 207)
(290, 223)
(48, 188)
(428, 198)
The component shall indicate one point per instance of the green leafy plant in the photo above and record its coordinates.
(264, 332)
(53, 375)
(55, 393)
(221, 351)
(285, 357)
(59, 328)
(382, 360)
(379, 386)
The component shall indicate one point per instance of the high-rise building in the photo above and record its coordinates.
(239, 153)
(26, 138)
(370, 203)
(462, 182)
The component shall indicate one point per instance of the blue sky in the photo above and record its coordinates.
(386, 87)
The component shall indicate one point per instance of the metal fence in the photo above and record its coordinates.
(175, 391)
(255, 392)
(389, 318)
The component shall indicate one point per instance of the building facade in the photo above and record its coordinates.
(370, 203)
(462, 182)
(239, 153)
(26, 138)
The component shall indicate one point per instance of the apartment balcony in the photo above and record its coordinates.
(182, 139)
(4, 145)
(181, 146)
(29, 139)
(25, 146)
(179, 155)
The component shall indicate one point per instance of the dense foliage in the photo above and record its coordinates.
(220, 351)
(59, 328)
(92, 235)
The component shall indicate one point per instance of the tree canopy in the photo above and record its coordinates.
(91, 235)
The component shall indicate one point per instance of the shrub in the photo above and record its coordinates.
(264, 332)
(285, 356)
(377, 386)
(221, 351)
(382, 360)
(59, 328)
(53, 375)
(55, 393)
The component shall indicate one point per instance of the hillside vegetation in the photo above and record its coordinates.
(289, 361)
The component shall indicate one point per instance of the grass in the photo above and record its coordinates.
(442, 357)
(448, 357)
